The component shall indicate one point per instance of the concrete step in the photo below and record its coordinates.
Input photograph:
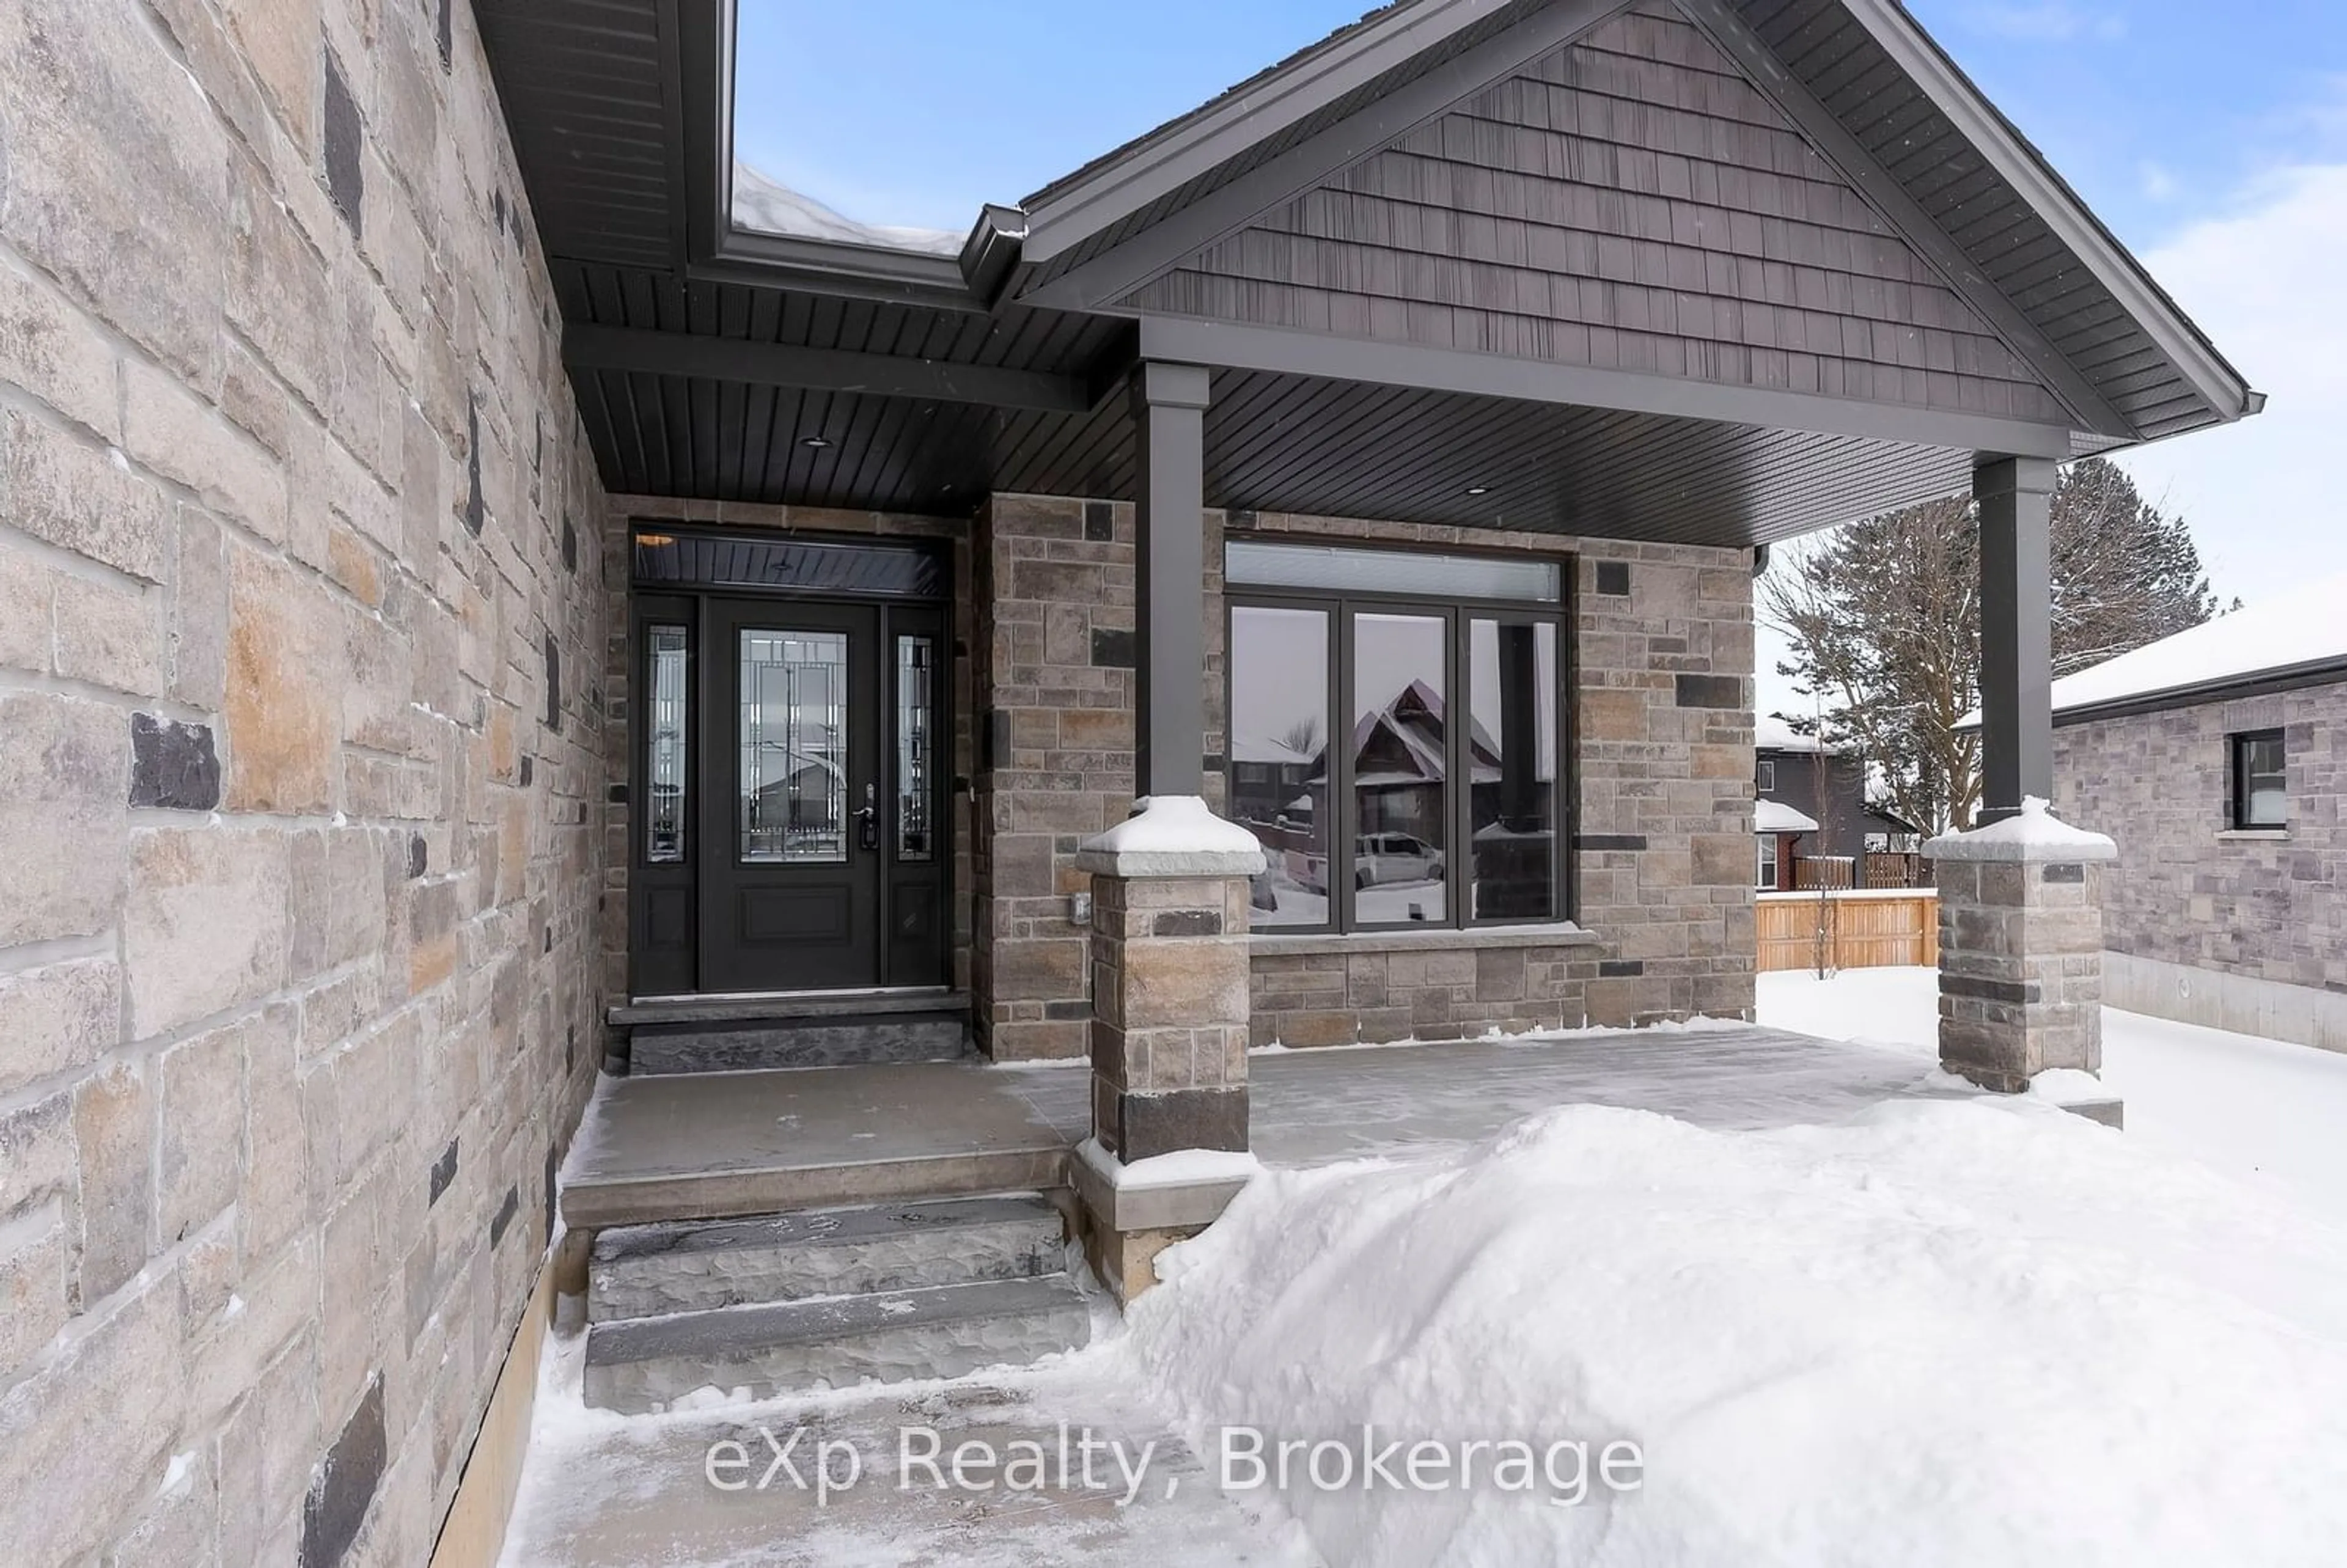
(749, 1047)
(653, 1270)
(644, 1364)
(738, 1034)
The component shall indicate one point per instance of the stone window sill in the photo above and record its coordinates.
(1560, 934)
(2254, 835)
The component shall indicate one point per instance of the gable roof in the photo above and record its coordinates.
(718, 362)
(1947, 172)
(1772, 734)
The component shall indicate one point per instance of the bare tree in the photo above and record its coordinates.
(1303, 737)
(1884, 619)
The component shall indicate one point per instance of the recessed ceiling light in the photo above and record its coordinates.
(815, 441)
(1479, 490)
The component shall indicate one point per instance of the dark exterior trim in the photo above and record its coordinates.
(1237, 346)
(2200, 693)
(1340, 605)
(2073, 222)
(645, 352)
(2015, 498)
(1169, 407)
(1727, 28)
(1232, 207)
(1065, 214)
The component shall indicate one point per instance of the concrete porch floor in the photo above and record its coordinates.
(602, 1492)
(707, 1145)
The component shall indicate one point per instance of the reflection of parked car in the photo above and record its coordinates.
(1381, 858)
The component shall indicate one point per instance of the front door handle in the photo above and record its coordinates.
(867, 829)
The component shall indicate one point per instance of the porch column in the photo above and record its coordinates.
(2020, 926)
(1170, 1036)
(1169, 417)
(2015, 501)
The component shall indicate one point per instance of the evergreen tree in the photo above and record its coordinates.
(1884, 618)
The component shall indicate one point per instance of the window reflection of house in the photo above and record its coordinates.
(798, 813)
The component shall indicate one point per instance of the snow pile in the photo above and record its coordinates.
(2261, 1110)
(1949, 1332)
(2036, 834)
(772, 208)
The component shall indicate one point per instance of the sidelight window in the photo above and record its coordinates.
(915, 661)
(666, 757)
(1396, 753)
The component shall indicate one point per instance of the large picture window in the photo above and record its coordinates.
(1397, 753)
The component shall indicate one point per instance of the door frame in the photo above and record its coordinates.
(658, 600)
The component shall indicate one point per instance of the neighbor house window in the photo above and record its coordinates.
(1765, 777)
(2260, 784)
(1394, 723)
(1766, 881)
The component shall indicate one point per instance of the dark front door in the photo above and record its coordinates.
(790, 868)
(791, 808)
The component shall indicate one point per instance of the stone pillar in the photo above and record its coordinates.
(2021, 949)
(1170, 1036)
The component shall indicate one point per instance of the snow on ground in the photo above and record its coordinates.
(2270, 1114)
(1945, 1332)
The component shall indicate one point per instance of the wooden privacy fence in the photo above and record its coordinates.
(1855, 930)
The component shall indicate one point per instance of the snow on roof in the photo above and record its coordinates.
(772, 207)
(2304, 626)
(1772, 733)
(1775, 816)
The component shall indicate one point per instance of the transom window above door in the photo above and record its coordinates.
(1394, 724)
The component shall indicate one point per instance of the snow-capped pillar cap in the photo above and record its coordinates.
(1171, 835)
(2036, 834)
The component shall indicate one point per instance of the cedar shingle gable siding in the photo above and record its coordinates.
(1631, 201)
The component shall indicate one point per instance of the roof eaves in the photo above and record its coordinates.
(2325, 672)
(2017, 160)
(1120, 182)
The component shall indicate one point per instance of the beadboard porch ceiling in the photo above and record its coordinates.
(1715, 271)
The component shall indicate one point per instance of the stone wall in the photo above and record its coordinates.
(1055, 650)
(2185, 891)
(1351, 990)
(1661, 753)
(618, 654)
(297, 642)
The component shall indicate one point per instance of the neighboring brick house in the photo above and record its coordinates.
(456, 581)
(2217, 759)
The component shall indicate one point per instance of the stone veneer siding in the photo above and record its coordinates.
(297, 642)
(617, 526)
(1660, 749)
(2185, 891)
(1372, 996)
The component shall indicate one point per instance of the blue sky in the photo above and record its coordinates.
(916, 111)
(2212, 139)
